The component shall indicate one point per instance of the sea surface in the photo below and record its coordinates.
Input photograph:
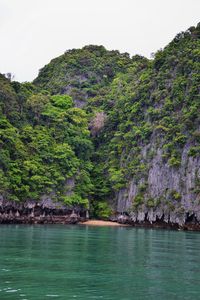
(79, 262)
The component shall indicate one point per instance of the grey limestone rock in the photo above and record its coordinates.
(171, 187)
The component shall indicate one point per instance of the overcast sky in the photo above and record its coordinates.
(32, 32)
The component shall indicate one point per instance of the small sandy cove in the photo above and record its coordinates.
(101, 223)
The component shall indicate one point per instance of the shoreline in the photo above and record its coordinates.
(83, 221)
(146, 225)
(103, 223)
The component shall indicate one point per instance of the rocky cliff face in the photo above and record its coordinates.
(166, 182)
(44, 211)
(171, 193)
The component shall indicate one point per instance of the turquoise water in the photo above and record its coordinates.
(77, 262)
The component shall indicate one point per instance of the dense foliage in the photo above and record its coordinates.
(89, 115)
(82, 73)
(44, 142)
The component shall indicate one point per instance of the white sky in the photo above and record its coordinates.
(32, 32)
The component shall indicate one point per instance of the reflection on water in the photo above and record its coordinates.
(77, 262)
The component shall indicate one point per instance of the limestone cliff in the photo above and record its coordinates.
(126, 129)
(171, 193)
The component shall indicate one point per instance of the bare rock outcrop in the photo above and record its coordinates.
(171, 194)
(45, 211)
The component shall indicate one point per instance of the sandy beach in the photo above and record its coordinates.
(101, 223)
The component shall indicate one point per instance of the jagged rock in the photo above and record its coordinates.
(162, 179)
(141, 216)
(122, 219)
(44, 211)
(74, 218)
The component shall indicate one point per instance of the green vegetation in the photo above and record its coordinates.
(128, 104)
(46, 146)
